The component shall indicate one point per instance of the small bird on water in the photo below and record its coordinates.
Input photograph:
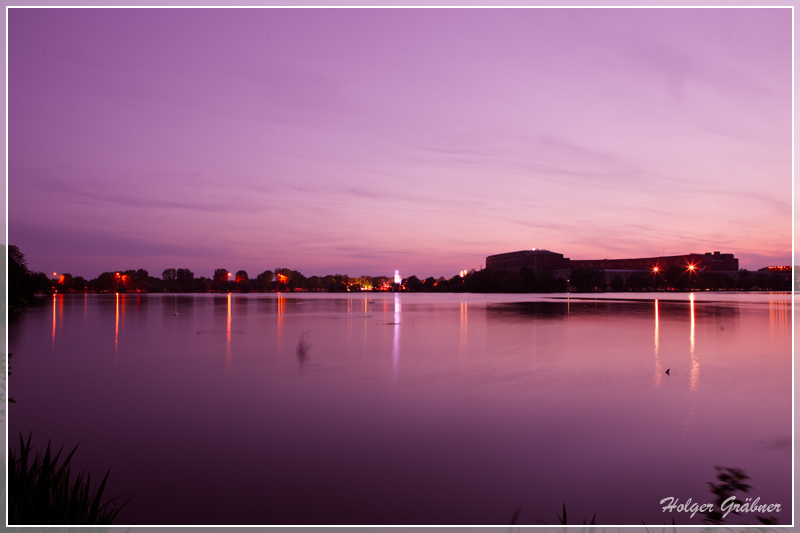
(667, 372)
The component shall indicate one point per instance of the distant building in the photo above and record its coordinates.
(540, 260)
(537, 260)
(706, 262)
(786, 272)
(776, 269)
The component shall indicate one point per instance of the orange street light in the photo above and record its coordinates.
(655, 269)
(691, 268)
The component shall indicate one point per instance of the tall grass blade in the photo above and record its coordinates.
(42, 492)
(562, 518)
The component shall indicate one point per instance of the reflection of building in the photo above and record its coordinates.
(537, 260)
(541, 260)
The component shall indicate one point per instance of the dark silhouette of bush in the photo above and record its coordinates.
(42, 492)
(22, 283)
(587, 279)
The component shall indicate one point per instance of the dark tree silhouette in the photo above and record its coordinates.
(413, 283)
(22, 284)
(586, 279)
(185, 279)
(65, 282)
(264, 281)
(220, 281)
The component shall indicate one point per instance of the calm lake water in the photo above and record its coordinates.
(410, 408)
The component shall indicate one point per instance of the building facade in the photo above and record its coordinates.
(537, 260)
(707, 262)
(540, 260)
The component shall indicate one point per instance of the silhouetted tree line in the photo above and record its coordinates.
(490, 280)
(23, 284)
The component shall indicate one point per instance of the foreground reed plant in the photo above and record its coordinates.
(40, 491)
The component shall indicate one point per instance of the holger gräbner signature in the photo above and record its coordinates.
(728, 506)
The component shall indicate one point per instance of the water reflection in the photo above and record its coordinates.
(228, 354)
(396, 343)
(462, 344)
(688, 426)
(658, 373)
(779, 311)
(483, 380)
(694, 371)
(242, 304)
(169, 306)
(302, 350)
(544, 310)
(55, 296)
(279, 324)
(366, 314)
(116, 326)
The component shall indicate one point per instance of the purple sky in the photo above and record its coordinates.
(364, 141)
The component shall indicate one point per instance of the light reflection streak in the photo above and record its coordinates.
(396, 343)
(279, 325)
(349, 321)
(464, 316)
(55, 297)
(116, 327)
(694, 371)
(462, 345)
(659, 373)
(778, 317)
(365, 322)
(228, 355)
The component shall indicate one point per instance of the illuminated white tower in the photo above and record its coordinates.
(397, 278)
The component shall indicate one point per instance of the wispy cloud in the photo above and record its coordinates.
(90, 187)
(277, 134)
